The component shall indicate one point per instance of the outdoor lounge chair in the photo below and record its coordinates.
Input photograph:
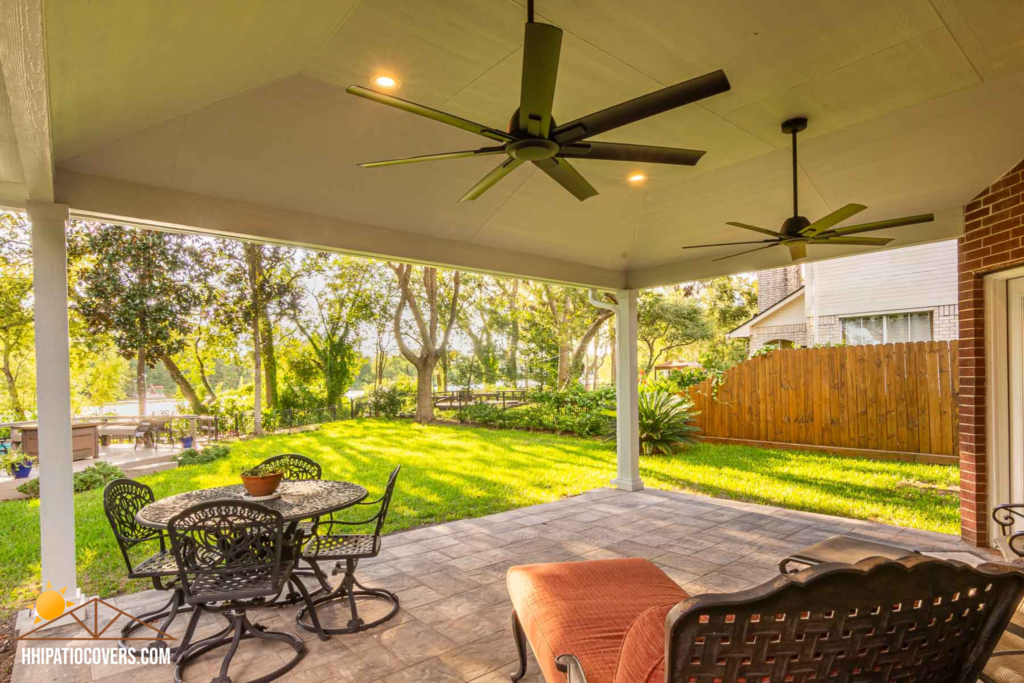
(624, 621)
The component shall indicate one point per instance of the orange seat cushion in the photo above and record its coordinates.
(586, 608)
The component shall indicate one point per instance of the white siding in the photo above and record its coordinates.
(918, 277)
(790, 314)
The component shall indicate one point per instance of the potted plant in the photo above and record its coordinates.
(16, 463)
(262, 480)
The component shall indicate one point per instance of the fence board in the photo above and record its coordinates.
(896, 398)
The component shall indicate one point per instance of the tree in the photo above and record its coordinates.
(341, 299)
(666, 323)
(566, 317)
(16, 319)
(135, 286)
(441, 311)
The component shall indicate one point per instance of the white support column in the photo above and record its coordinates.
(53, 395)
(626, 393)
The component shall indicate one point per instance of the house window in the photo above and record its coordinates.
(888, 329)
(780, 343)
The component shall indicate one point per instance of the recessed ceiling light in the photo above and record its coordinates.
(637, 178)
(388, 82)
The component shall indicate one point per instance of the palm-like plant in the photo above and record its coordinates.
(666, 421)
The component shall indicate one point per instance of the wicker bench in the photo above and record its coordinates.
(624, 621)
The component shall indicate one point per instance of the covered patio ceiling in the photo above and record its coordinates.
(231, 117)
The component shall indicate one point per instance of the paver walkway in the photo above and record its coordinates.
(454, 622)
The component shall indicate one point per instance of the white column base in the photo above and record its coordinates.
(27, 618)
(628, 484)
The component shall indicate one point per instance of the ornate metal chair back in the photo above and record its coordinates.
(385, 502)
(1011, 542)
(296, 467)
(229, 550)
(918, 618)
(122, 500)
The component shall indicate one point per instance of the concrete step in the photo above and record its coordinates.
(135, 472)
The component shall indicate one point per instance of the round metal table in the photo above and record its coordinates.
(299, 500)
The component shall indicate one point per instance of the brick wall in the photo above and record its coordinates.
(759, 336)
(992, 241)
(775, 285)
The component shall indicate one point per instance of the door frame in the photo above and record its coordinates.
(997, 387)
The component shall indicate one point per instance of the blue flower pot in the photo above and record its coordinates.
(22, 471)
(186, 442)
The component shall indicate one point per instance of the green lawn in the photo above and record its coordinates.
(451, 472)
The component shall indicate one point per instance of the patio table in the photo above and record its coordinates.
(299, 500)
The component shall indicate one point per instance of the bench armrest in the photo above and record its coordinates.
(570, 665)
(1005, 515)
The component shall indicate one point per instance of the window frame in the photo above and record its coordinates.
(885, 323)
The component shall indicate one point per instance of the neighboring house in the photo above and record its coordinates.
(900, 295)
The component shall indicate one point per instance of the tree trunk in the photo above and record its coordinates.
(424, 397)
(252, 258)
(211, 394)
(563, 365)
(187, 390)
(513, 341)
(17, 409)
(140, 380)
(269, 359)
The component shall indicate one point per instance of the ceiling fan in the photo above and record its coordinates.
(797, 232)
(534, 136)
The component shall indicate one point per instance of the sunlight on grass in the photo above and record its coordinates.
(451, 472)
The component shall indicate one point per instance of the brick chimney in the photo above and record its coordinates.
(775, 285)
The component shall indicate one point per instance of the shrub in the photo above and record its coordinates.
(386, 401)
(93, 477)
(191, 456)
(573, 411)
(666, 421)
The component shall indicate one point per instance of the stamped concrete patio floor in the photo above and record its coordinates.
(454, 622)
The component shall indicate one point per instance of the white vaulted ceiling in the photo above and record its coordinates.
(914, 106)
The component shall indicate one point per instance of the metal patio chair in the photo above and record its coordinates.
(142, 432)
(233, 556)
(122, 499)
(329, 543)
(295, 467)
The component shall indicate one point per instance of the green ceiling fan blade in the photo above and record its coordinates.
(429, 113)
(483, 151)
(866, 241)
(798, 251)
(838, 216)
(746, 226)
(748, 251)
(562, 172)
(642, 107)
(541, 49)
(725, 244)
(618, 151)
(489, 180)
(882, 225)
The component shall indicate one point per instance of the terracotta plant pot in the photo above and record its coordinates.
(262, 485)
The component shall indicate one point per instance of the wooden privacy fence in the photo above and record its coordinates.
(891, 401)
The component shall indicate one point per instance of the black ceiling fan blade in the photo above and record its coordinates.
(489, 180)
(725, 244)
(747, 226)
(838, 216)
(882, 225)
(541, 49)
(866, 241)
(562, 172)
(429, 113)
(642, 107)
(618, 151)
(748, 251)
(483, 151)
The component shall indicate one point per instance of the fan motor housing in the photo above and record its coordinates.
(532, 149)
(794, 225)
